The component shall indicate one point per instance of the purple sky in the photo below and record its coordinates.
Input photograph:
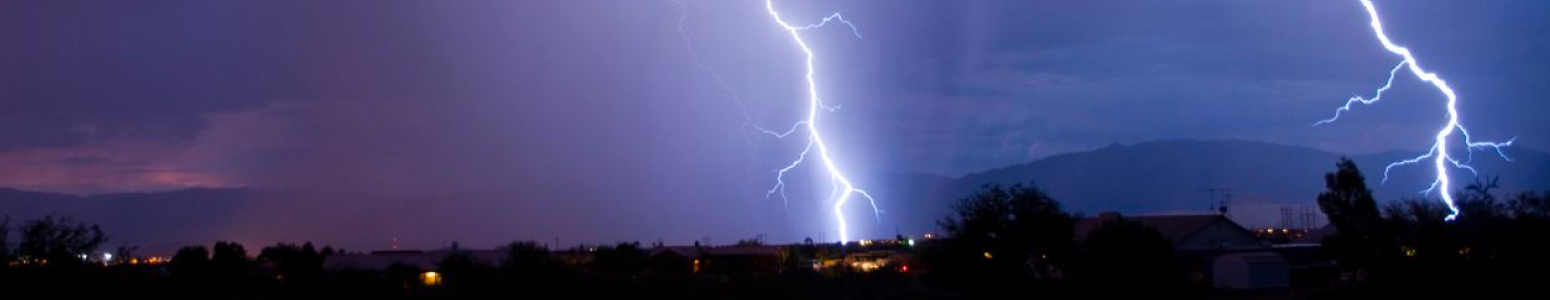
(591, 112)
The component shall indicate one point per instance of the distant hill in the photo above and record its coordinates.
(1168, 176)
(1153, 177)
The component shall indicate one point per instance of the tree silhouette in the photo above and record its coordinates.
(1003, 237)
(60, 240)
(464, 275)
(1125, 259)
(5, 241)
(1530, 205)
(1531, 229)
(189, 263)
(621, 259)
(750, 242)
(294, 264)
(1362, 241)
(531, 269)
(229, 259)
(1495, 247)
(528, 257)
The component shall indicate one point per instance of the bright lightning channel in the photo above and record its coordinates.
(842, 189)
(1439, 150)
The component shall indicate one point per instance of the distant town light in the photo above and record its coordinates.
(430, 278)
(987, 255)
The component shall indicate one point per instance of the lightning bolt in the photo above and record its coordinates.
(842, 189)
(694, 56)
(1438, 153)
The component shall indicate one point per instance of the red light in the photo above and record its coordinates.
(904, 269)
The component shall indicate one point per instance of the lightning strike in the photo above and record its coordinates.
(1438, 153)
(694, 56)
(842, 189)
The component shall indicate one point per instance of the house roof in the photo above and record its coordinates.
(693, 252)
(380, 260)
(1175, 228)
(744, 250)
(684, 251)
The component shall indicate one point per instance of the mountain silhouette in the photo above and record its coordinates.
(1171, 177)
(1158, 177)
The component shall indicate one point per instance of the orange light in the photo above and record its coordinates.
(430, 278)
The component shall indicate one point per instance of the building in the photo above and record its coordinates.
(1250, 270)
(1187, 232)
(1215, 250)
(424, 260)
(740, 259)
(674, 259)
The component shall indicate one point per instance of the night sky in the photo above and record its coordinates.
(589, 120)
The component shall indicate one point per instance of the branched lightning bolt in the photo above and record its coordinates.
(842, 187)
(1358, 99)
(1439, 149)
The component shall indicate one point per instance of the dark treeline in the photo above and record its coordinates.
(1016, 242)
(1493, 249)
(1003, 242)
(1000, 242)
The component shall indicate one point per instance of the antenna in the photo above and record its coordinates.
(1226, 202)
(1214, 204)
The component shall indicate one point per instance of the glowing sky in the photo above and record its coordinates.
(591, 112)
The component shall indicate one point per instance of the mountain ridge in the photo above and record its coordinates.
(1171, 176)
(1154, 177)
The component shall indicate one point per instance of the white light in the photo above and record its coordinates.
(842, 187)
(1439, 149)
